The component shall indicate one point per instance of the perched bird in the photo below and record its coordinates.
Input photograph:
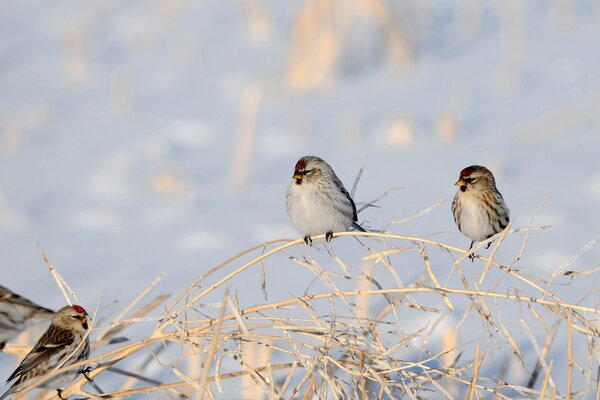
(64, 343)
(478, 207)
(317, 201)
(17, 313)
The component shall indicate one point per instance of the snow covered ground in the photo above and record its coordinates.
(146, 137)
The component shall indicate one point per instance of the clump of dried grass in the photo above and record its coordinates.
(408, 318)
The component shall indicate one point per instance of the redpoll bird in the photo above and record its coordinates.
(317, 201)
(64, 343)
(478, 207)
(17, 313)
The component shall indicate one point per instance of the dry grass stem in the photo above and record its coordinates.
(360, 327)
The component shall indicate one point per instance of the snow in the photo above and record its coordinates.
(119, 123)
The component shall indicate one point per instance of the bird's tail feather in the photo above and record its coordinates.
(8, 392)
(356, 226)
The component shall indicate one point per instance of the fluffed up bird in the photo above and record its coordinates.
(317, 201)
(17, 313)
(65, 342)
(478, 207)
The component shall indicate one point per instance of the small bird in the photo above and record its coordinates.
(478, 207)
(17, 313)
(317, 201)
(65, 342)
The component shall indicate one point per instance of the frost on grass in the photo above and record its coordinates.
(389, 316)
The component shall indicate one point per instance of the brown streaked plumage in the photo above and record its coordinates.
(478, 207)
(65, 342)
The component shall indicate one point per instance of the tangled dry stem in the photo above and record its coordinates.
(369, 341)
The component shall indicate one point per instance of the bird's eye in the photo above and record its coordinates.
(469, 180)
(308, 172)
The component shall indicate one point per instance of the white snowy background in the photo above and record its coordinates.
(143, 137)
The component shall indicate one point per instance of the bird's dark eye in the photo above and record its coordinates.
(469, 180)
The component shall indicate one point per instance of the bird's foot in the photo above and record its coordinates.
(488, 245)
(308, 240)
(86, 373)
(328, 236)
(472, 257)
(2, 344)
(59, 393)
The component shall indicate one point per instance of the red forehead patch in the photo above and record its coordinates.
(79, 309)
(301, 164)
(468, 171)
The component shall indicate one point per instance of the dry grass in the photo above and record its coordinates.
(361, 329)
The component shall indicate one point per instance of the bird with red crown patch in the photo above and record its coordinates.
(317, 201)
(65, 342)
(478, 207)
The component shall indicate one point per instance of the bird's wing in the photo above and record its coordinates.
(355, 224)
(9, 296)
(53, 341)
(345, 193)
(355, 214)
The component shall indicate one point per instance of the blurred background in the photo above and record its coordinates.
(143, 137)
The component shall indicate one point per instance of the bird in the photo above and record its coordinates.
(65, 342)
(317, 201)
(478, 207)
(17, 313)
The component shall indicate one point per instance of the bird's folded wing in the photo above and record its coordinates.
(52, 342)
(14, 298)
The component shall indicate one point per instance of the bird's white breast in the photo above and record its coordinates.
(474, 221)
(312, 212)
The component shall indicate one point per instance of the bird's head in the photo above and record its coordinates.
(309, 169)
(72, 317)
(475, 177)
